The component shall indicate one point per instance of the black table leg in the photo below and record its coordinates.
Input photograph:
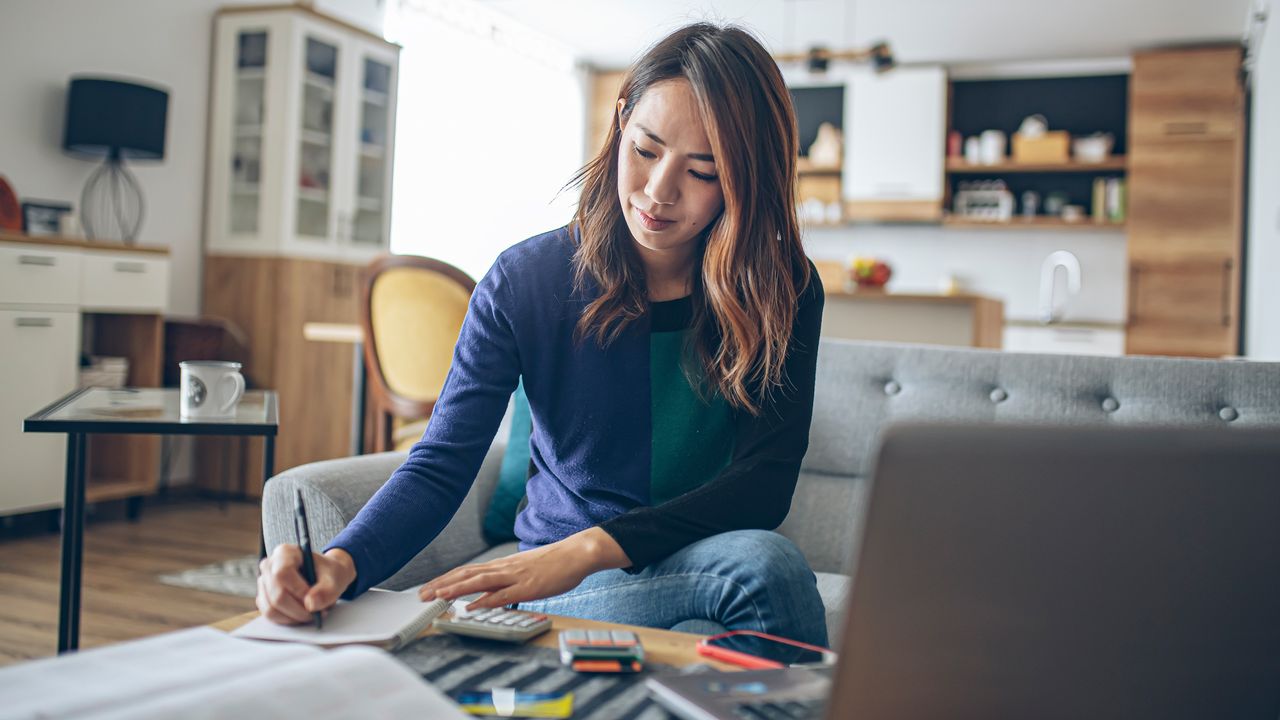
(359, 383)
(72, 545)
(268, 469)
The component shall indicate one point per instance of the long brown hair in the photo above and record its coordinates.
(752, 268)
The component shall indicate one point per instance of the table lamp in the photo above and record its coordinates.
(114, 119)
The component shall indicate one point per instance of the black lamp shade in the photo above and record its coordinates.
(111, 117)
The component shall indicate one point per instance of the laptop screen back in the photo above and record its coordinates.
(1066, 573)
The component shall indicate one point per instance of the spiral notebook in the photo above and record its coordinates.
(382, 618)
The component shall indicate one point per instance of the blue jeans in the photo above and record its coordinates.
(740, 580)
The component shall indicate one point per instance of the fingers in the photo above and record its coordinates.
(497, 598)
(281, 587)
(431, 590)
(325, 592)
(279, 607)
(480, 582)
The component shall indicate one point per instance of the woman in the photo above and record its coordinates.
(667, 341)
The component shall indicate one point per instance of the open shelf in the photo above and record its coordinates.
(1115, 163)
(1038, 223)
(805, 167)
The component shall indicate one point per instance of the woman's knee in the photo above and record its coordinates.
(763, 555)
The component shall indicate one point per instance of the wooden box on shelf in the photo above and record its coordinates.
(1052, 147)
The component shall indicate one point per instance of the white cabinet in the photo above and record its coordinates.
(57, 298)
(36, 274)
(895, 135)
(894, 125)
(123, 282)
(38, 365)
(1064, 339)
(301, 138)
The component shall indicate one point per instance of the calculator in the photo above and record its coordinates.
(514, 626)
(616, 651)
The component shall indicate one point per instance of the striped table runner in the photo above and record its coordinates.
(455, 664)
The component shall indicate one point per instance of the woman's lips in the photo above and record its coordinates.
(652, 223)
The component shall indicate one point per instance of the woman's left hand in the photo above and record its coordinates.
(531, 575)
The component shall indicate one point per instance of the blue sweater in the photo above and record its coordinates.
(592, 428)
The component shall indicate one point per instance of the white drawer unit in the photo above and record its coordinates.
(39, 275)
(38, 365)
(1064, 339)
(115, 281)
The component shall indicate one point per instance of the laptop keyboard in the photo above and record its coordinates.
(781, 710)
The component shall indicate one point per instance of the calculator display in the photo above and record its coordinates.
(769, 649)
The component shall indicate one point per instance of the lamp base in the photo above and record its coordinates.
(111, 205)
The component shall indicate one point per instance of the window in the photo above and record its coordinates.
(489, 129)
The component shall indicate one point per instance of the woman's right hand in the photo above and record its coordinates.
(285, 598)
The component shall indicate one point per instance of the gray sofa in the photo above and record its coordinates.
(861, 389)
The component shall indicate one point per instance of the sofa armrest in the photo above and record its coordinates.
(335, 490)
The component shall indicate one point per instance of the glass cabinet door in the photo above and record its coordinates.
(315, 156)
(374, 128)
(248, 113)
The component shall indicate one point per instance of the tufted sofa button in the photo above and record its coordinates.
(999, 395)
(1110, 404)
(892, 388)
(1228, 414)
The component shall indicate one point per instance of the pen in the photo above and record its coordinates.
(304, 542)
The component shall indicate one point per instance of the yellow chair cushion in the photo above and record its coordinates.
(416, 316)
(405, 435)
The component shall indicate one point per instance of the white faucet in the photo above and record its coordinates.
(1049, 312)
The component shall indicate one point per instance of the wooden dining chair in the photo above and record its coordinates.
(412, 310)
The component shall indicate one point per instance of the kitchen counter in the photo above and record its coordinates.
(964, 320)
(960, 319)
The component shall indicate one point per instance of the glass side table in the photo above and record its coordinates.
(129, 411)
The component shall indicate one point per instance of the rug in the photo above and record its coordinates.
(237, 576)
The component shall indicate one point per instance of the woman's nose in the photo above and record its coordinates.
(663, 186)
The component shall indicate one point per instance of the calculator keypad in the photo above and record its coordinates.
(497, 624)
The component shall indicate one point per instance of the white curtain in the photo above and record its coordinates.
(489, 128)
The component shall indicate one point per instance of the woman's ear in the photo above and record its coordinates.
(622, 120)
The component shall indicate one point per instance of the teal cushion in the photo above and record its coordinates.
(500, 517)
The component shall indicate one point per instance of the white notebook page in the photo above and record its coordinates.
(379, 617)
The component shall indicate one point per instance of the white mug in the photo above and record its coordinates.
(210, 389)
(992, 145)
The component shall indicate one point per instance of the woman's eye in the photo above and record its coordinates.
(704, 178)
(644, 153)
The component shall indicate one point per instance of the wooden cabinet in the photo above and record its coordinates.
(1184, 202)
(270, 299)
(605, 87)
(302, 128)
(1187, 94)
(1183, 308)
(1186, 165)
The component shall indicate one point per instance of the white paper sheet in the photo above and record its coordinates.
(204, 673)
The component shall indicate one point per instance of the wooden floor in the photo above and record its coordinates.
(122, 598)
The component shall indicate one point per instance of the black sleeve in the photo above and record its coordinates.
(754, 490)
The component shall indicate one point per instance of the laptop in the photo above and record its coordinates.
(1047, 572)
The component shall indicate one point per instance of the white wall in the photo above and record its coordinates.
(1262, 301)
(43, 42)
(1000, 263)
(162, 42)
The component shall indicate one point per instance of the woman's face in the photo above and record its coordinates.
(667, 180)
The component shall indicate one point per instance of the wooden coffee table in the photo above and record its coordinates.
(660, 646)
